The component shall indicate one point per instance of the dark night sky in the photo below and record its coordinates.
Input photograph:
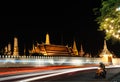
(64, 23)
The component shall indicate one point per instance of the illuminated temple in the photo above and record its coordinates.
(8, 50)
(106, 55)
(48, 49)
(105, 51)
(52, 50)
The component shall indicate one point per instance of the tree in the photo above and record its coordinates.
(109, 18)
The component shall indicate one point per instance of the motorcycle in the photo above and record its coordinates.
(100, 73)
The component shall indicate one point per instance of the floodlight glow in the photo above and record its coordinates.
(118, 9)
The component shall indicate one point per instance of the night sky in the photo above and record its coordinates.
(64, 22)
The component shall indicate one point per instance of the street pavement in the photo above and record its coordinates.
(115, 78)
(113, 74)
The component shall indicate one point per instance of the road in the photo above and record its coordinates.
(65, 74)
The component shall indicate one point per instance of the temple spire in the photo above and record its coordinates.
(5, 50)
(75, 51)
(47, 39)
(105, 50)
(9, 49)
(105, 46)
(106, 55)
(15, 50)
(81, 52)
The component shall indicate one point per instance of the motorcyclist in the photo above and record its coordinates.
(102, 66)
(101, 72)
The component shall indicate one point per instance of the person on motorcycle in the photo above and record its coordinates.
(102, 65)
(98, 72)
(103, 72)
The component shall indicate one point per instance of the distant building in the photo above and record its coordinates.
(106, 55)
(105, 50)
(51, 49)
(8, 48)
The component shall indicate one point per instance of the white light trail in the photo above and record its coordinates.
(27, 75)
(49, 73)
(63, 72)
(55, 74)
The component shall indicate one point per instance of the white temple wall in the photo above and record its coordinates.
(27, 61)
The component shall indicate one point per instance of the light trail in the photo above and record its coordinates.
(27, 75)
(57, 73)
(63, 72)
(45, 74)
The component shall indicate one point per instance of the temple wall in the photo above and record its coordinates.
(27, 61)
(116, 61)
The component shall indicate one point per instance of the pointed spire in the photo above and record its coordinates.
(75, 48)
(81, 48)
(9, 49)
(105, 46)
(105, 50)
(5, 50)
(24, 50)
(33, 48)
(47, 39)
(15, 50)
(81, 52)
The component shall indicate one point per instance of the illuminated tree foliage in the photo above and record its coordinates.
(109, 19)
